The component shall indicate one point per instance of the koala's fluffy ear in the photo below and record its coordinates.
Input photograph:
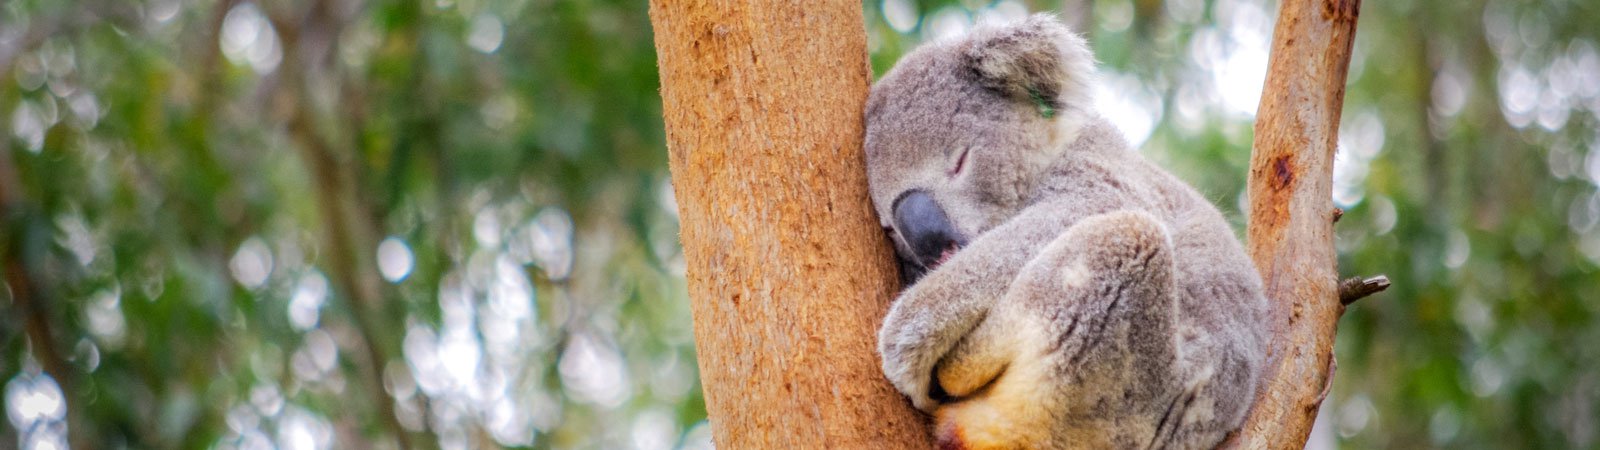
(1037, 60)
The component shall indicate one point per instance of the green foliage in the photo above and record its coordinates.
(449, 223)
(201, 220)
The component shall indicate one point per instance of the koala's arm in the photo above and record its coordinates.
(933, 315)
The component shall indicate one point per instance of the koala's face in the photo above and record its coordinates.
(958, 132)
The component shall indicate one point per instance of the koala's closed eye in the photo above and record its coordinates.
(961, 161)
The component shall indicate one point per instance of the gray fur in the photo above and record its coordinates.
(1150, 317)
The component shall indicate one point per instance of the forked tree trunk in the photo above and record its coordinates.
(789, 273)
(1292, 213)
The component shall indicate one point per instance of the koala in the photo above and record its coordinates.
(1064, 292)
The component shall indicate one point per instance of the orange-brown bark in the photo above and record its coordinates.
(789, 274)
(1291, 215)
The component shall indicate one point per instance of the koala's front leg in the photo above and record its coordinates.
(931, 316)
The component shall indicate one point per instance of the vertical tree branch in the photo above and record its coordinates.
(1290, 235)
(345, 213)
(789, 274)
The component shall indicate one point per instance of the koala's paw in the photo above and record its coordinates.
(903, 347)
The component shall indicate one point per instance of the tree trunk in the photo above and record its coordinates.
(1291, 215)
(789, 273)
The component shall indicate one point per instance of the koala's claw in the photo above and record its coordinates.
(923, 402)
(914, 387)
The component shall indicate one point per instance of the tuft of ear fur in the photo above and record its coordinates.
(1038, 61)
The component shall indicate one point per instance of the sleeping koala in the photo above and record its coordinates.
(1067, 293)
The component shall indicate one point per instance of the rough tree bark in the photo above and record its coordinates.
(1292, 213)
(789, 274)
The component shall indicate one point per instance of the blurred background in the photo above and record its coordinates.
(449, 224)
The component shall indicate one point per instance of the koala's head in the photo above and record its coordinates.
(959, 131)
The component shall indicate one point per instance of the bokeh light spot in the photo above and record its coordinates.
(394, 259)
(252, 263)
(486, 33)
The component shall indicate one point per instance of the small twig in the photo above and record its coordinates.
(1338, 213)
(1354, 288)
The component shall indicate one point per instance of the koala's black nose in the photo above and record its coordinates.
(925, 227)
